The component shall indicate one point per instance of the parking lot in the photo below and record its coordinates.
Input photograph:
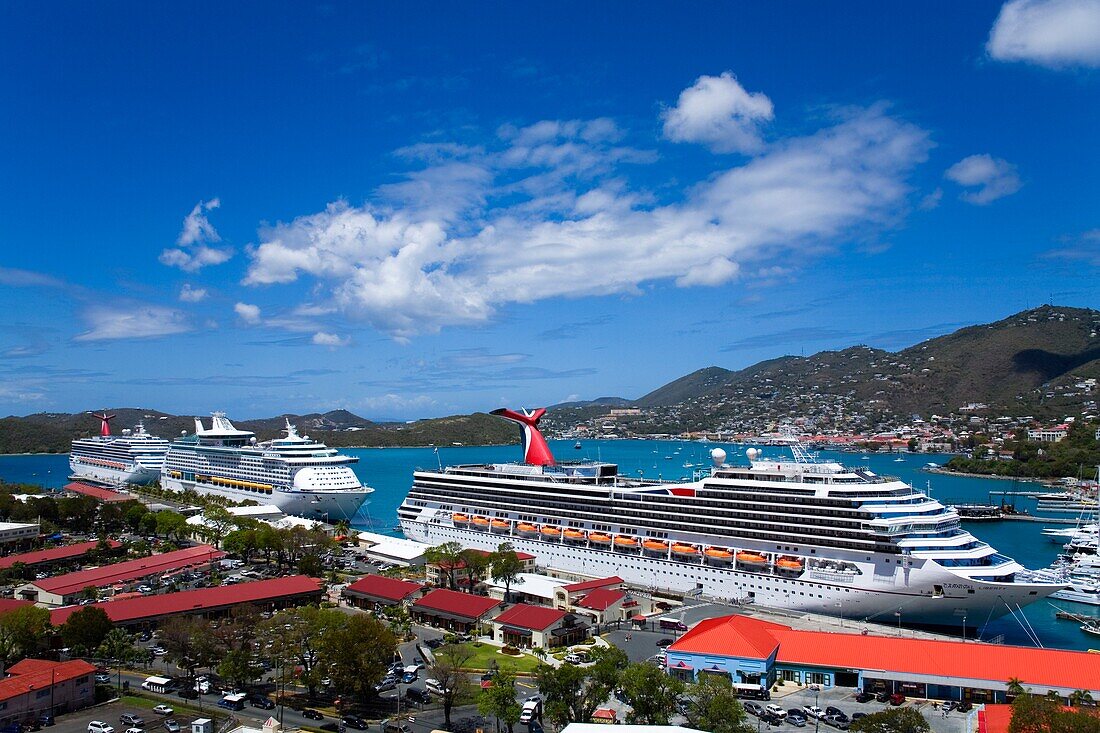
(78, 722)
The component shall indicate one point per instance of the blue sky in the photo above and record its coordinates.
(409, 210)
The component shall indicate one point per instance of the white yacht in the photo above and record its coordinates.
(782, 532)
(300, 476)
(135, 457)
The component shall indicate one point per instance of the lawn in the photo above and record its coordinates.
(485, 654)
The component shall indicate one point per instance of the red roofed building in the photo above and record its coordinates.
(754, 651)
(54, 554)
(525, 625)
(152, 609)
(63, 590)
(602, 605)
(566, 596)
(450, 609)
(36, 686)
(10, 604)
(438, 574)
(378, 590)
(98, 492)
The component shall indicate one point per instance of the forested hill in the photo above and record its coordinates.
(53, 432)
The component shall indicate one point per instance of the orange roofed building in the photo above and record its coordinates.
(749, 650)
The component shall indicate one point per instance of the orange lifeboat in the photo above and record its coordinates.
(685, 550)
(655, 545)
(600, 538)
(460, 519)
(480, 522)
(789, 563)
(575, 534)
(752, 558)
(500, 525)
(549, 530)
(527, 528)
(718, 553)
(627, 542)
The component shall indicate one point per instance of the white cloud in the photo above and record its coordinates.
(330, 339)
(993, 178)
(549, 214)
(107, 322)
(193, 252)
(718, 112)
(1051, 33)
(248, 313)
(189, 294)
(16, 278)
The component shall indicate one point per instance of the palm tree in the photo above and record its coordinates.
(341, 527)
(1080, 697)
(1015, 688)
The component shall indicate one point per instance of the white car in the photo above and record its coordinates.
(98, 726)
(773, 709)
(813, 711)
(163, 710)
(134, 730)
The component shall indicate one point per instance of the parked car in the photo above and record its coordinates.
(664, 642)
(897, 698)
(837, 722)
(163, 710)
(133, 720)
(965, 706)
(754, 708)
(948, 705)
(135, 730)
(46, 719)
(857, 716)
(882, 696)
(103, 679)
(262, 702)
(409, 677)
(389, 683)
(812, 711)
(796, 718)
(415, 694)
(776, 711)
(172, 726)
(354, 721)
(312, 714)
(436, 687)
(98, 726)
(864, 696)
(837, 712)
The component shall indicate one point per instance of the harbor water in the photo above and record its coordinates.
(389, 471)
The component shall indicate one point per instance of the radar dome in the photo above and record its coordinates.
(752, 454)
(718, 456)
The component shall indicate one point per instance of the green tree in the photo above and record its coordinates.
(149, 523)
(357, 653)
(893, 720)
(713, 706)
(311, 564)
(85, 629)
(651, 694)
(341, 527)
(190, 643)
(217, 523)
(505, 566)
(573, 693)
(240, 667)
(22, 632)
(1014, 688)
(171, 524)
(499, 700)
(241, 542)
(118, 647)
(447, 557)
(476, 566)
(448, 668)
(1080, 697)
(298, 638)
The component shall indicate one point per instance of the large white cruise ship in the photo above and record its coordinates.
(788, 533)
(135, 457)
(300, 476)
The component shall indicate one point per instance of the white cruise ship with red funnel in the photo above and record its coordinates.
(134, 457)
(788, 532)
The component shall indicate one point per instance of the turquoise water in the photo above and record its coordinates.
(389, 471)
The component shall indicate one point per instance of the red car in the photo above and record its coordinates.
(897, 698)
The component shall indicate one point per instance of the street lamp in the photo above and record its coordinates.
(898, 614)
(964, 628)
(817, 709)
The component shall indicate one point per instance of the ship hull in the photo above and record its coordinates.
(321, 505)
(135, 474)
(929, 596)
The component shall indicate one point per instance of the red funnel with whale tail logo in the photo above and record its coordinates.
(104, 423)
(535, 450)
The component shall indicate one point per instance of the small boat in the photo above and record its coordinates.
(577, 445)
(685, 550)
(600, 538)
(628, 542)
(460, 519)
(899, 459)
(788, 563)
(527, 528)
(481, 522)
(500, 525)
(576, 535)
(718, 553)
(655, 545)
(1091, 627)
(751, 558)
(550, 530)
